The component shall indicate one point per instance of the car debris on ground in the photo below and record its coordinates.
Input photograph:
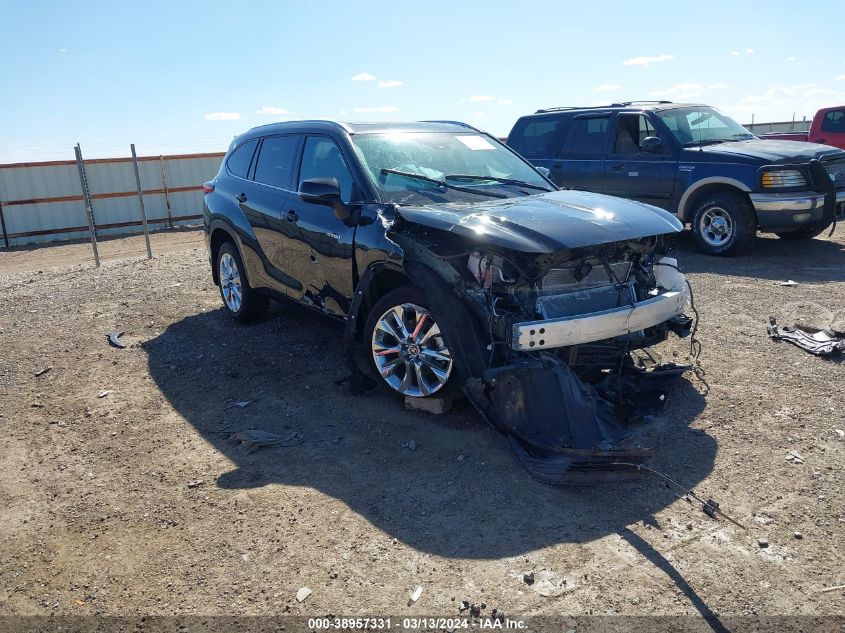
(114, 339)
(303, 593)
(821, 342)
(251, 440)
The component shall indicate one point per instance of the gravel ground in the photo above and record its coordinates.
(134, 503)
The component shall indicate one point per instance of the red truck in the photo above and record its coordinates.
(827, 128)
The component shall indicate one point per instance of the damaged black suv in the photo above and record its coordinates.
(456, 265)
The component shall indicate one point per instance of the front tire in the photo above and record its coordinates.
(241, 302)
(723, 224)
(409, 352)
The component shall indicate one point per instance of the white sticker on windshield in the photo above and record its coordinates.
(475, 142)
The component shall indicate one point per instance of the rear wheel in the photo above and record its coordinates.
(723, 224)
(408, 348)
(241, 302)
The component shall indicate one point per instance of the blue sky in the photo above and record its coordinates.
(182, 76)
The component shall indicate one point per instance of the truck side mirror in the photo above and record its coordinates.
(652, 145)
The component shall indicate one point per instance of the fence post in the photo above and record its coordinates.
(166, 195)
(141, 201)
(3, 223)
(87, 200)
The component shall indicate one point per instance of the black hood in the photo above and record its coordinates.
(548, 222)
(770, 152)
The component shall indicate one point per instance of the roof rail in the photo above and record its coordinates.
(621, 104)
(461, 123)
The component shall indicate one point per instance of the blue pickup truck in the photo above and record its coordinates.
(693, 161)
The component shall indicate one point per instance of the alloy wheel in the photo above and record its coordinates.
(409, 351)
(716, 226)
(230, 282)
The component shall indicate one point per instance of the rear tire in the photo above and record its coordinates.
(241, 302)
(804, 233)
(723, 224)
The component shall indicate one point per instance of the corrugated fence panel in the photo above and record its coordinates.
(42, 202)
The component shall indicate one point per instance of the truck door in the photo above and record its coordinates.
(579, 162)
(630, 171)
(832, 128)
(321, 247)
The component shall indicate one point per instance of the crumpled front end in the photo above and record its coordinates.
(547, 343)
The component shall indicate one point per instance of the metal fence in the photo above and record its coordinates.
(41, 202)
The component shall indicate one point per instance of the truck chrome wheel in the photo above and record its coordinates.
(409, 351)
(716, 226)
(230, 282)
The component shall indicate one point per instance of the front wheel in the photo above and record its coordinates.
(723, 224)
(242, 302)
(408, 348)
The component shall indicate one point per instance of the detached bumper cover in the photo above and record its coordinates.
(597, 326)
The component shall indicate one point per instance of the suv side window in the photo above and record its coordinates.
(834, 121)
(631, 129)
(533, 138)
(589, 136)
(239, 161)
(275, 161)
(322, 158)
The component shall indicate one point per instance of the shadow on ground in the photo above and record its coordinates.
(459, 494)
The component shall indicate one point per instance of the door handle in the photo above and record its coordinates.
(241, 197)
(290, 216)
(618, 167)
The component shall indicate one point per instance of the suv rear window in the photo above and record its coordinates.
(239, 160)
(275, 161)
(589, 136)
(533, 137)
(834, 121)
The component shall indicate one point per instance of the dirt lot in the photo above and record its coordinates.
(100, 511)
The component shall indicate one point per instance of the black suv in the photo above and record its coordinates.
(693, 161)
(454, 264)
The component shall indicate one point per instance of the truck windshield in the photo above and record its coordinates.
(702, 125)
(417, 168)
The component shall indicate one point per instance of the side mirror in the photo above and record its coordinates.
(652, 145)
(544, 171)
(326, 192)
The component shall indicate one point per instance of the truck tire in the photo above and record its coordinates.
(723, 223)
(804, 233)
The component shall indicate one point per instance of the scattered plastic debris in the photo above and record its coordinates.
(795, 457)
(762, 543)
(114, 339)
(528, 578)
(815, 341)
(196, 483)
(105, 393)
(253, 439)
(840, 433)
(834, 588)
(240, 404)
(788, 283)
(42, 371)
(303, 593)
(415, 594)
(798, 535)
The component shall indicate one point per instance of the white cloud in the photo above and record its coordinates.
(505, 101)
(790, 59)
(680, 91)
(223, 116)
(645, 61)
(63, 50)
(750, 51)
(480, 98)
(363, 77)
(390, 83)
(271, 110)
(718, 87)
(734, 53)
(381, 109)
(781, 103)
(839, 78)
(606, 88)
